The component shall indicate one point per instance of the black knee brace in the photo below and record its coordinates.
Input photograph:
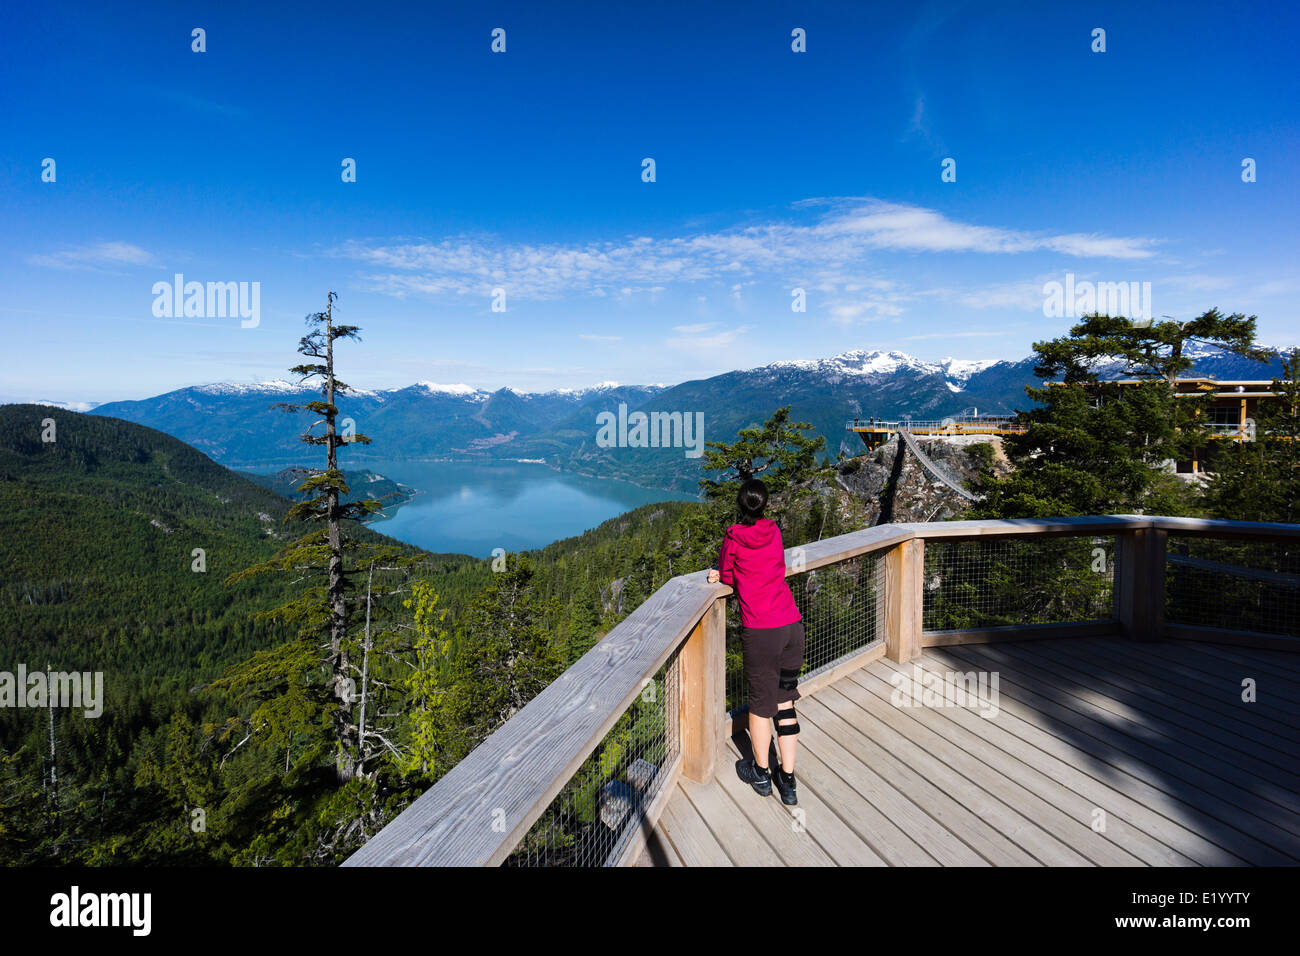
(789, 679)
(785, 730)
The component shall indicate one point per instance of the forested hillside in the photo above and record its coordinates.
(115, 543)
(100, 527)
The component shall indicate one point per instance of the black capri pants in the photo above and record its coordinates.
(767, 651)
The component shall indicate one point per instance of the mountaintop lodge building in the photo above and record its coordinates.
(1233, 407)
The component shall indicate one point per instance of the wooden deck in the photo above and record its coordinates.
(1151, 739)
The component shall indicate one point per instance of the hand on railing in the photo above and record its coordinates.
(713, 576)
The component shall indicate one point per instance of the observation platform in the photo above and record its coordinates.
(1140, 674)
(1098, 752)
(875, 432)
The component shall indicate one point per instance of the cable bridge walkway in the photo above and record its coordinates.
(905, 437)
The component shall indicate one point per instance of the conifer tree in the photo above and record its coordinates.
(1094, 447)
(1145, 350)
(507, 653)
(1260, 480)
(779, 451)
(281, 676)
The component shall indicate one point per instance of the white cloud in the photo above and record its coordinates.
(956, 335)
(692, 338)
(1276, 287)
(881, 225)
(95, 258)
(836, 244)
(1026, 295)
(847, 313)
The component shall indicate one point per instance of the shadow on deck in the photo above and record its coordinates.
(1101, 751)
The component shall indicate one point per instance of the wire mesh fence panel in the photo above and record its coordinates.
(838, 604)
(982, 583)
(591, 820)
(1237, 585)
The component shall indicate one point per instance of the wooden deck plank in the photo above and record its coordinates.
(1197, 761)
(1218, 699)
(948, 828)
(1180, 674)
(855, 832)
(658, 852)
(1194, 677)
(977, 760)
(985, 798)
(739, 838)
(881, 835)
(1212, 755)
(881, 784)
(1231, 740)
(1129, 790)
(832, 834)
(788, 833)
(1047, 764)
(688, 834)
(1226, 802)
(1284, 664)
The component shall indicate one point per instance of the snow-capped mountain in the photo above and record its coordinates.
(70, 406)
(283, 387)
(867, 364)
(238, 424)
(467, 391)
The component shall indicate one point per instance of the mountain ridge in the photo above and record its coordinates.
(236, 425)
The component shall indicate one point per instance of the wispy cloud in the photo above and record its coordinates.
(600, 338)
(879, 225)
(97, 258)
(920, 126)
(865, 310)
(1024, 295)
(199, 104)
(700, 337)
(957, 335)
(844, 236)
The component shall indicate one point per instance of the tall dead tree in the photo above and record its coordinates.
(327, 489)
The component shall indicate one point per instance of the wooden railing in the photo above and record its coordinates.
(483, 807)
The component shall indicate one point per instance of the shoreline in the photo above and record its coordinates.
(477, 461)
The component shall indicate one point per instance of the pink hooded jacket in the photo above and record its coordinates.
(752, 561)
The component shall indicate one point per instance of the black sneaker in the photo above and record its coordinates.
(785, 786)
(760, 778)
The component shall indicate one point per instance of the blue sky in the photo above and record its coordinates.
(523, 171)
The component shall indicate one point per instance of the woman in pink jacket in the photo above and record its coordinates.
(752, 561)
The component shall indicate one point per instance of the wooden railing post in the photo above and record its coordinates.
(1140, 603)
(904, 599)
(701, 678)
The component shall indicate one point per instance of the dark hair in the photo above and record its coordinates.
(751, 500)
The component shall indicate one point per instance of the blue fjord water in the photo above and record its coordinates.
(474, 508)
